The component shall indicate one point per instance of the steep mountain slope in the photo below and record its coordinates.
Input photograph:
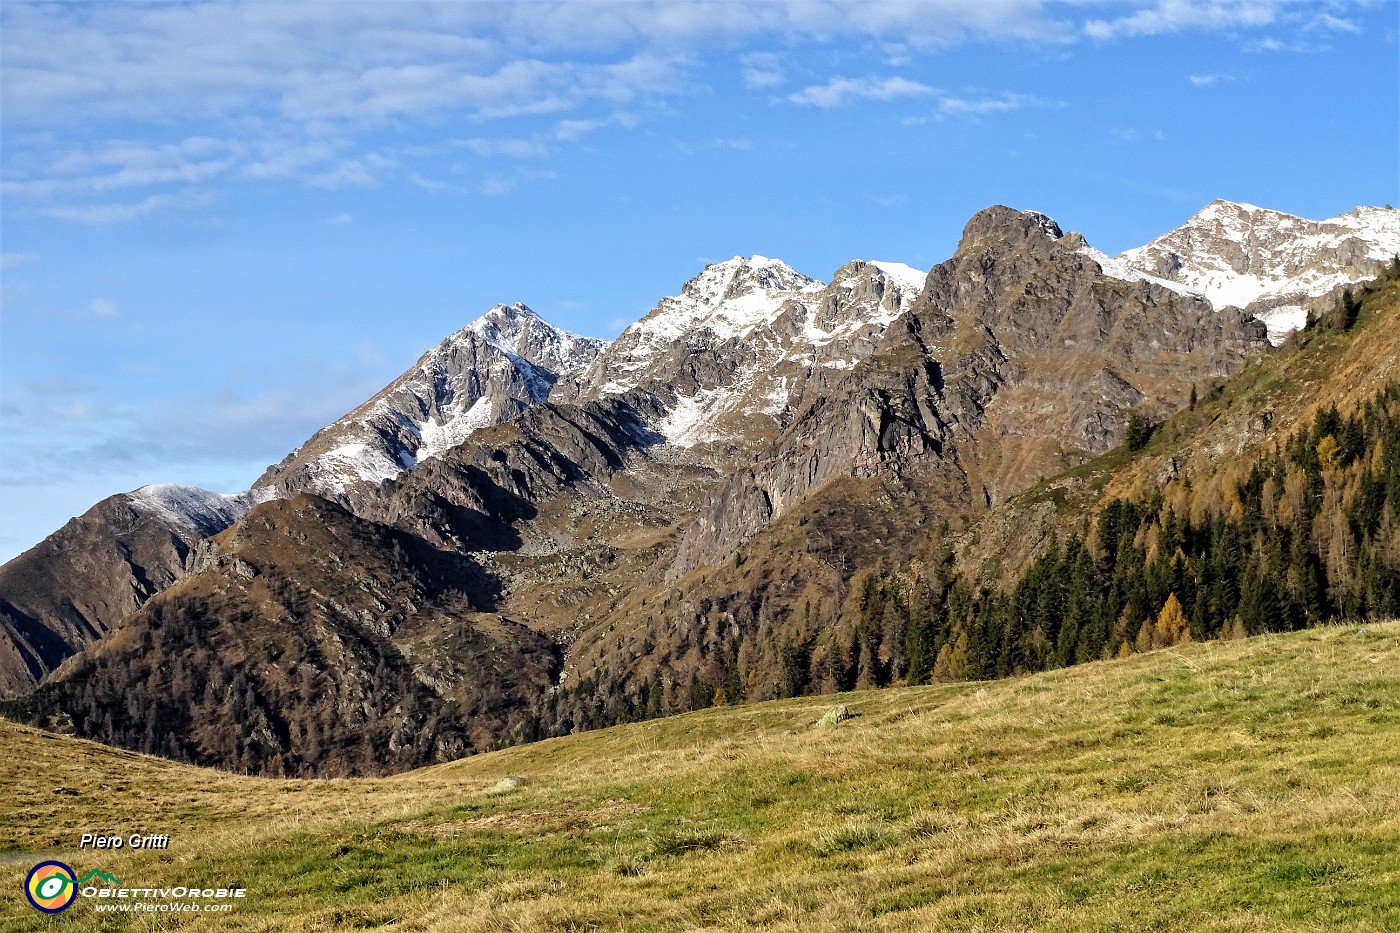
(307, 641)
(487, 372)
(1274, 265)
(1262, 500)
(1235, 423)
(82, 580)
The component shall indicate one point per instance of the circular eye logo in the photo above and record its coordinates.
(51, 887)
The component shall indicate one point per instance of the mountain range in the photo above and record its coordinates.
(531, 532)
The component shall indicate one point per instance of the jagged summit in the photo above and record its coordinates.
(1008, 223)
(730, 358)
(518, 329)
(739, 276)
(488, 372)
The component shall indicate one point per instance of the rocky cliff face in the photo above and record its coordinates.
(1018, 358)
(489, 372)
(1274, 265)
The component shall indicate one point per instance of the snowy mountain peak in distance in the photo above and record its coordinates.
(488, 372)
(189, 507)
(731, 355)
(1274, 265)
(518, 330)
(741, 276)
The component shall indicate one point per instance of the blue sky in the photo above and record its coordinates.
(225, 224)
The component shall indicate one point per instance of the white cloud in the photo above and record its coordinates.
(510, 147)
(840, 90)
(1209, 80)
(103, 307)
(1169, 16)
(574, 130)
(120, 164)
(1272, 44)
(343, 219)
(115, 212)
(495, 186)
(761, 70)
(1133, 134)
(949, 107)
(1336, 23)
(10, 262)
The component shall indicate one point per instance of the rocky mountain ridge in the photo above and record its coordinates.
(747, 446)
(732, 357)
(488, 372)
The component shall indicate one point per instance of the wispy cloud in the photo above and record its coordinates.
(494, 186)
(1129, 134)
(1210, 80)
(949, 107)
(10, 262)
(839, 91)
(103, 307)
(761, 70)
(1326, 20)
(115, 212)
(981, 106)
(509, 147)
(1297, 46)
(1169, 16)
(574, 130)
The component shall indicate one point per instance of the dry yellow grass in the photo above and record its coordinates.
(1250, 785)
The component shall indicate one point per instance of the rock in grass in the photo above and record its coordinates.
(835, 716)
(509, 783)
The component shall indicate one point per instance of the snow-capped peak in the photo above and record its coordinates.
(502, 320)
(1274, 264)
(516, 329)
(740, 276)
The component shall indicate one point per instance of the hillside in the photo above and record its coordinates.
(1245, 785)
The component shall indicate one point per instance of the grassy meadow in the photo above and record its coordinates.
(1229, 786)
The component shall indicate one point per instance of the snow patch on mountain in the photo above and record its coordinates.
(438, 437)
(1118, 269)
(726, 300)
(909, 279)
